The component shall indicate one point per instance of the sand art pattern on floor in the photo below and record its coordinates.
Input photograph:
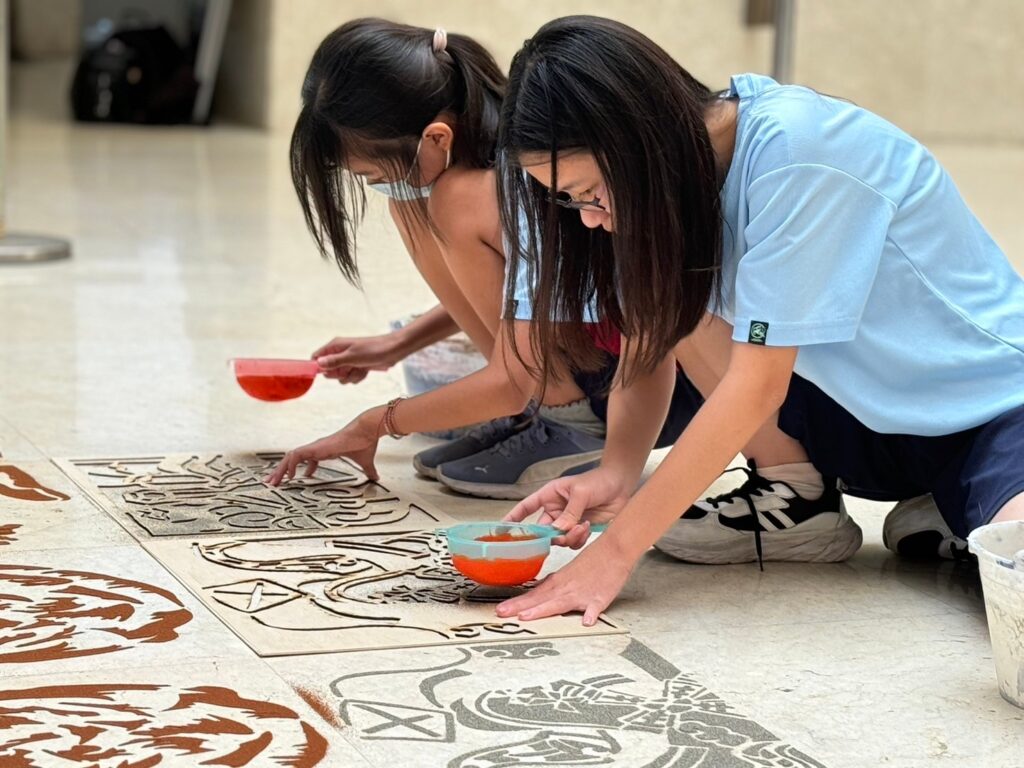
(17, 484)
(8, 533)
(49, 613)
(149, 725)
(609, 702)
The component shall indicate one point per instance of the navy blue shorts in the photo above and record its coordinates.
(970, 474)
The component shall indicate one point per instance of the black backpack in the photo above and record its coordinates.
(136, 75)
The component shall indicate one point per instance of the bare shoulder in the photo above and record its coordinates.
(464, 204)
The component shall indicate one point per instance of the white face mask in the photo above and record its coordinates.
(403, 190)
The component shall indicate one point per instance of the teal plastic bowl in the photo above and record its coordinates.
(499, 563)
(533, 540)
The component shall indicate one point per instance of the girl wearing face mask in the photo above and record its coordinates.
(412, 114)
(868, 313)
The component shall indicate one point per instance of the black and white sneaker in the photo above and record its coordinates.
(915, 528)
(763, 520)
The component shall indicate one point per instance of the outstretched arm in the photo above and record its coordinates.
(752, 389)
(350, 358)
(502, 388)
(636, 414)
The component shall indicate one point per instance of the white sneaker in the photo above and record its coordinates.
(763, 520)
(915, 528)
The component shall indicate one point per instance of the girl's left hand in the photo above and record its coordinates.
(357, 441)
(588, 584)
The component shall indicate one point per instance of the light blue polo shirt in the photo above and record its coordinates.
(845, 237)
(521, 306)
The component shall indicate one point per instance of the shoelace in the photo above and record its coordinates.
(528, 438)
(752, 486)
(489, 430)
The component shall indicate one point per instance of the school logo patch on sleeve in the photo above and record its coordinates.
(758, 332)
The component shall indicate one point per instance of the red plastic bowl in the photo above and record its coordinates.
(274, 380)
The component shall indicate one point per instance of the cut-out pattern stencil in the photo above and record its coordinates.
(349, 591)
(143, 725)
(17, 484)
(49, 614)
(193, 495)
(610, 702)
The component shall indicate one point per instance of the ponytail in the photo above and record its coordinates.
(481, 87)
(371, 89)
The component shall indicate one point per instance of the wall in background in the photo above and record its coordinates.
(243, 93)
(940, 69)
(708, 37)
(41, 30)
(950, 69)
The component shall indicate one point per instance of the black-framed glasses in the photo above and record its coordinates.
(565, 200)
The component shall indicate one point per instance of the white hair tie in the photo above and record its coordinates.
(440, 40)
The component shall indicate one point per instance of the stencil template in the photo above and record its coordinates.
(204, 494)
(609, 702)
(349, 591)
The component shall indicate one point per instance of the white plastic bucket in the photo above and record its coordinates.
(441, 363)
(1000, 551)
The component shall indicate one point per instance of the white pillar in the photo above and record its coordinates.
(782, 58)
(16, 248)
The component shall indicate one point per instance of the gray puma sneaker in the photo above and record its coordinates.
(524, 462)
(479, 438)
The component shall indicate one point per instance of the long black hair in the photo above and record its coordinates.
(371, 89)
(587, 84)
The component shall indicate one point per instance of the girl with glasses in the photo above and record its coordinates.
(812, 267)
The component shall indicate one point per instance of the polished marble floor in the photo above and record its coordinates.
(189, 249)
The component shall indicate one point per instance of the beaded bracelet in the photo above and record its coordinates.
(389, 419)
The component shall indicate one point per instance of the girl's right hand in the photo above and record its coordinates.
(357, 441)
(574, 503)
(349, 360)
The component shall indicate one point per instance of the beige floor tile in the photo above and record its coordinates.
(14, 446)
(903, 692)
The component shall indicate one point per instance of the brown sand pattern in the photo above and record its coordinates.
(16, 484)
(48, 613)
(7, 533)
(143, 726)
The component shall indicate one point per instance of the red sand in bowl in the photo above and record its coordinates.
(275, 388)
(500, 572)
